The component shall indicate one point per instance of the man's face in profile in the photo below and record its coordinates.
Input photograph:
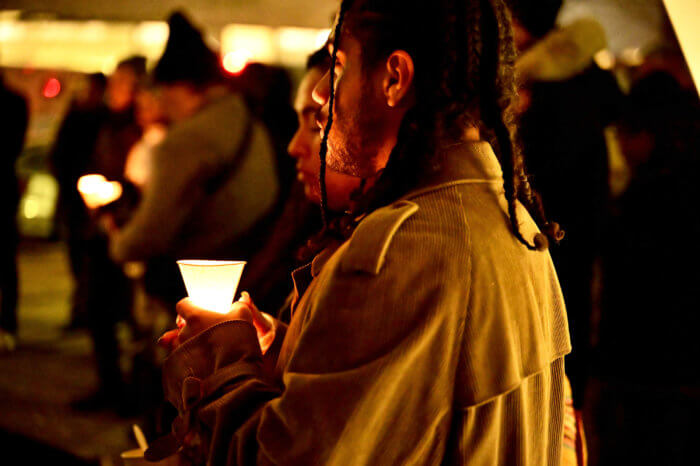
(358, 133)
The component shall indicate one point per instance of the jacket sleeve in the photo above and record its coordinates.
(370, 379)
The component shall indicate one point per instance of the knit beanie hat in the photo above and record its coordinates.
(186, 57)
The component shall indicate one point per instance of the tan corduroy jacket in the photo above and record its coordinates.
(432, 336)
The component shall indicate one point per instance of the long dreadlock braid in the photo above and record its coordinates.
(324, 142)
(516, 182)
(463, 54)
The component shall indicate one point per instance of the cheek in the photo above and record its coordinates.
(315, 148)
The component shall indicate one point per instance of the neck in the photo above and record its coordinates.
(471, 134)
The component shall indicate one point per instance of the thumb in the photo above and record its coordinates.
(262, 324)
(169, 339)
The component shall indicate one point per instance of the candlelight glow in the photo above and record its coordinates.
(236, 61)
(211, 285)
(96, 191)
(683, 15)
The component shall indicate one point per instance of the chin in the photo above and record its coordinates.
(311, 194)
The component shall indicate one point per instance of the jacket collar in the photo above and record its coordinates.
(466, 162)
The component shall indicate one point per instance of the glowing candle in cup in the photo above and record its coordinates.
(211, 284)
(96, 191)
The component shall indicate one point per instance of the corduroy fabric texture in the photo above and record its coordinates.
(431, 337)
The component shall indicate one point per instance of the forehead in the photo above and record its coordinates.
(350, 46)
(304, 98)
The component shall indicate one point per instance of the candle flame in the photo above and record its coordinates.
(96, 191)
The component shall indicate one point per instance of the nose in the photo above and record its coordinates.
(321, 92)
(297, 147)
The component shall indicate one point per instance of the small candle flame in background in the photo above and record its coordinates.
(96, 191)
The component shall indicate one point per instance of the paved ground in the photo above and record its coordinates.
(48, 370)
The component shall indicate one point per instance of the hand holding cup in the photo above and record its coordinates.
(193, 320)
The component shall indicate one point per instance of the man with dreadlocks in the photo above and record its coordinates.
(430, 328)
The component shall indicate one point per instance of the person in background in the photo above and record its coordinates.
(14, 118)
(431, 329)
(108, 293)
(267, 274)
(566, 102)
(267, 90)
(150, 118)
(212, 185)
(648, 349)
(69, 159)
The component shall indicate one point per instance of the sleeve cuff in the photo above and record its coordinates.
(218, 355)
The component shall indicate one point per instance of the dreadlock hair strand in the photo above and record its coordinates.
(345, 4)
(464, 56)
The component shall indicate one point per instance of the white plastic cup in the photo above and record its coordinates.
(211, 284)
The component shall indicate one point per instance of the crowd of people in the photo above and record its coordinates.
(432, 275)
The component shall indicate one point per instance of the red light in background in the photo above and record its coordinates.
(52, 88)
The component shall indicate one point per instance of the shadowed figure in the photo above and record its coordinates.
(13, 125)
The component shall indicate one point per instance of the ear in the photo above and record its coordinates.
(398, 79)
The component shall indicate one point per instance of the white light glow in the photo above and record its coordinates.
(211, 285)
(31, 208)
(235, 61)
(109, 64)
(296, 39)
(82, 46)
(605, 59)
(96, 191)
(632, 56)
(9, 31)
(153, 33)
(94, 31)
(259, 41)
(322, 38)
(684, 15)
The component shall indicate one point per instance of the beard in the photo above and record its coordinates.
(354, 141)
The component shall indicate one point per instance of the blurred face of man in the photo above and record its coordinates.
(121, 88)
(305, 147)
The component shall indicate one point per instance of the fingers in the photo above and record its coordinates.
(263, 323)
(186, 309)
(169, 340)
(245, 298)
(259, 320)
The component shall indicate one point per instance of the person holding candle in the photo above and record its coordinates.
(212, 178)
(212, 182)
(107, 290)
(430, 329)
